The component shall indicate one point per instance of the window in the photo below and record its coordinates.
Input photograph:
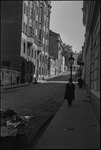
(42, 70)
(24, 47)
(27, 11)
(36, 24)
(31, 32)
(37, 10)
(35, 55)
(24, 27)
(24, 8)
(32, 52)
(40, 58)
(28, 50)
(39, 42)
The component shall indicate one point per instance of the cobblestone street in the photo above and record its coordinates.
(40, 100)
(27, 100)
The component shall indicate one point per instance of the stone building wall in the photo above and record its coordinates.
(91, 18)
(8, 76)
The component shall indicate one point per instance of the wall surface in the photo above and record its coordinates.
(11, 25)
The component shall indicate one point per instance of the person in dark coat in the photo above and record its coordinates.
(70, 92)
(80, 82)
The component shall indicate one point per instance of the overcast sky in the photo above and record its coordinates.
(66, 19)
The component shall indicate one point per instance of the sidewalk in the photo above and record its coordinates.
(6, 87)
(73, 127)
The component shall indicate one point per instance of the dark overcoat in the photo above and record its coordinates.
(70, 91)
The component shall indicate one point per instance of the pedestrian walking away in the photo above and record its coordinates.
(80, 82)
(70, 92)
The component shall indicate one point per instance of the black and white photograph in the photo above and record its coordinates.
(50, 75)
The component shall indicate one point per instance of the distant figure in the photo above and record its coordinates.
(80, 82)
(34, 79)
(30, 79)
(70, 92)
(18, 79)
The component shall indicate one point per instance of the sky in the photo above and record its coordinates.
(66, 20)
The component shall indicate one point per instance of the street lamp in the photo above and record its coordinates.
(71, 61)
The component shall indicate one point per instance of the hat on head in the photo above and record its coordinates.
(70, 80)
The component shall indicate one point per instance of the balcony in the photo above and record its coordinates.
(39, 49)
(30, 40)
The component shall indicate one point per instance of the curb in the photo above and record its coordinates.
(24, 141)
(40, 81)
(12, 87)
(32, 137)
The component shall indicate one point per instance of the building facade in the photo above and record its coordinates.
(25, 37)
(55, 51)
(63, 64)
(51, 66)
(75, 66)
(91, 21)
(8, 76)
